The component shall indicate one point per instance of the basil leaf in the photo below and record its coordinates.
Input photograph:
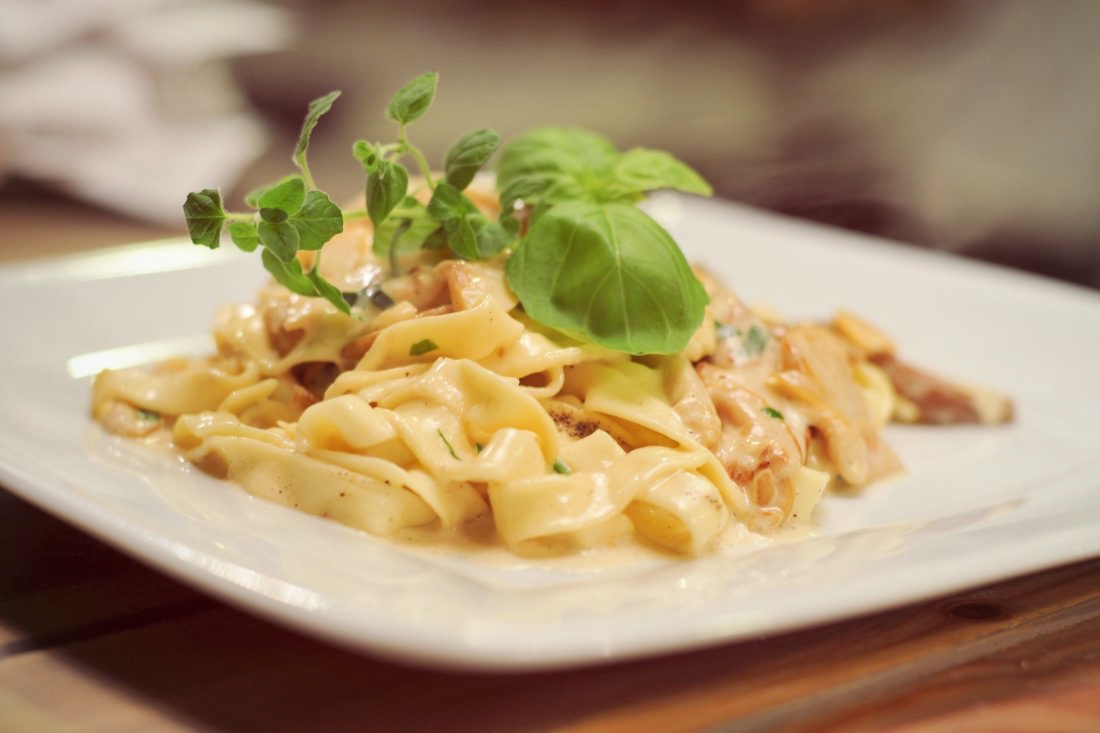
(386, 188)
(519, 191)
(317, 221)
(413, 99)
(468, 155)
(549, 150)
(287, 195)
(205, 216)
(640, 170)
(610, 274)
(555, 164)
(279, 237)
(244, 235)
(317, 107)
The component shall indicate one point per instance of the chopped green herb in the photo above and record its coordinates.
(422, 347)
(448, 444)
(148, 415)
(772, 412)
(755, 341)
(562, 468)
(726, 331)
(479, 446)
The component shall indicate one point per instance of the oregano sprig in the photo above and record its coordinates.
(291, 215)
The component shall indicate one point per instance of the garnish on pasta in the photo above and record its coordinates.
(536, 358)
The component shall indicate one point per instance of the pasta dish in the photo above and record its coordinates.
(438, 400)
(449, 405)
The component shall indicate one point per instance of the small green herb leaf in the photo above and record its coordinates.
(725, 331)
(317, 221)
(468, 155)
(609, 274)
(461, 239)
(317, 107)
(327, 290)
(451, 209)
(772, 412)
(367, 154)
(423, 347)
(413, 99)
(148, 415)
(755, 341)
(279, 237)
(244, 235)
(386, 188)
(273, 215)
(205, 216)
(289, 274)
(287, 195)
(447, 443)
(491, 237)
(405, 230)
(640, 170)
(448, 204)
(561, 467)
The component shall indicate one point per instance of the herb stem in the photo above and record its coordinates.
(355, 214)
(231, 216)
(307, 177)
(421, 162)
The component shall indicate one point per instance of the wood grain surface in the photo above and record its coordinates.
(91, 640)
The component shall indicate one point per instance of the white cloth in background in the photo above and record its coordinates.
(129, 103)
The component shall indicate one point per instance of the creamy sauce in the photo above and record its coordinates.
(478, 545)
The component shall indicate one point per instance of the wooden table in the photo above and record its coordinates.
(93, 641)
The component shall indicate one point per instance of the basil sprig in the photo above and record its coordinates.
(592, 264)
(583, 258)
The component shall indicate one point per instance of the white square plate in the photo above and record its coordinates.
(977, 505)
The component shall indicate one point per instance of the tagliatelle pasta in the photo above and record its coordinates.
(543, 370)
(449, 408)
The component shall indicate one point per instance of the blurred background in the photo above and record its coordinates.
(966, 126)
